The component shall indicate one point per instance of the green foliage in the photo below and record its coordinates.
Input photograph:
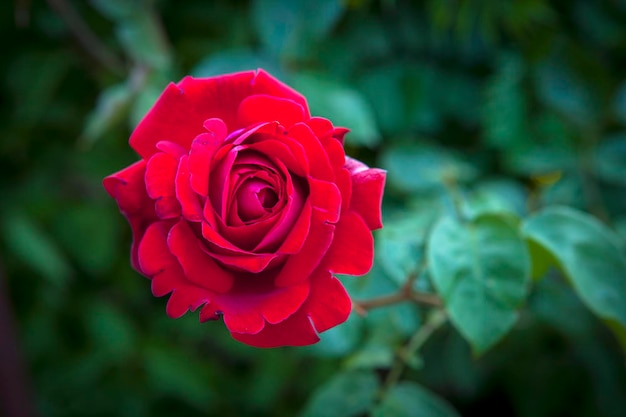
(590, 255)
(502, 125)
(481, 269)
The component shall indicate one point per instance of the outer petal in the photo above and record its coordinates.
(297, 330)
(127, 187)
(199, 267)
(159, 178)
(253, 302)
(263, 108)
(188, 199)
(328, 304)
(180, 111)
(299, 266)
(352, 250)
(367, 196)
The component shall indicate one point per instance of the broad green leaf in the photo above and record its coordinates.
(289, 28)
(590, 255)
(342, 104)
(348, 394)
(408, 399)
(424, 167)
(481, 269)
(399, 245)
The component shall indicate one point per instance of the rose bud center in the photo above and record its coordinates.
(255, 198)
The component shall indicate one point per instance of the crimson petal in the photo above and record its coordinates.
(367, 196)
(261, 108)
(199, 268)
(328, 304)
(352, 250)
(297, 330)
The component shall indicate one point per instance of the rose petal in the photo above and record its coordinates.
(202, 150)
(184, 299)
(127, 187)
(344, 183)
(253, 302)
(279, 151)
(367, 196)
(326, 197)
(264, 108)
(264, 83)
(297, 330)
(199, 268)
(299, 266)
(352, 250)
(298, 233)
(154, 254)
(188, 199)
(318, 159)
(328, 304)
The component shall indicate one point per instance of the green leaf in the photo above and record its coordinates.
(424, 167)
(408, 399)
(590, 255)
(289, 28)
(345, 395)
(481, 269)
(342, 105)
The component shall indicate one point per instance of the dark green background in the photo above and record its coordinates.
(518, 103)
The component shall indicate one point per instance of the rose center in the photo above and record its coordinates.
(255, 198)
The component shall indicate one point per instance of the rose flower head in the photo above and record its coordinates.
(243, 205)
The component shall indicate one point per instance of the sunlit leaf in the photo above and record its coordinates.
(590, 255)
(481, 269)
(347, 394)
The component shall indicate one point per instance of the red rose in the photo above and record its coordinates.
(244, 204)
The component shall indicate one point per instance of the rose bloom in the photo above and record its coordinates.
(243, 205)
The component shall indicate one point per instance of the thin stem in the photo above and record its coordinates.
(435, 320)
(85, 36)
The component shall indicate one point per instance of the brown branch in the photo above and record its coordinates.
(431, 300)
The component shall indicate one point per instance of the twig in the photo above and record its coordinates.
(435, 320)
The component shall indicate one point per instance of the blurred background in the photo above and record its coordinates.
(521, 103)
